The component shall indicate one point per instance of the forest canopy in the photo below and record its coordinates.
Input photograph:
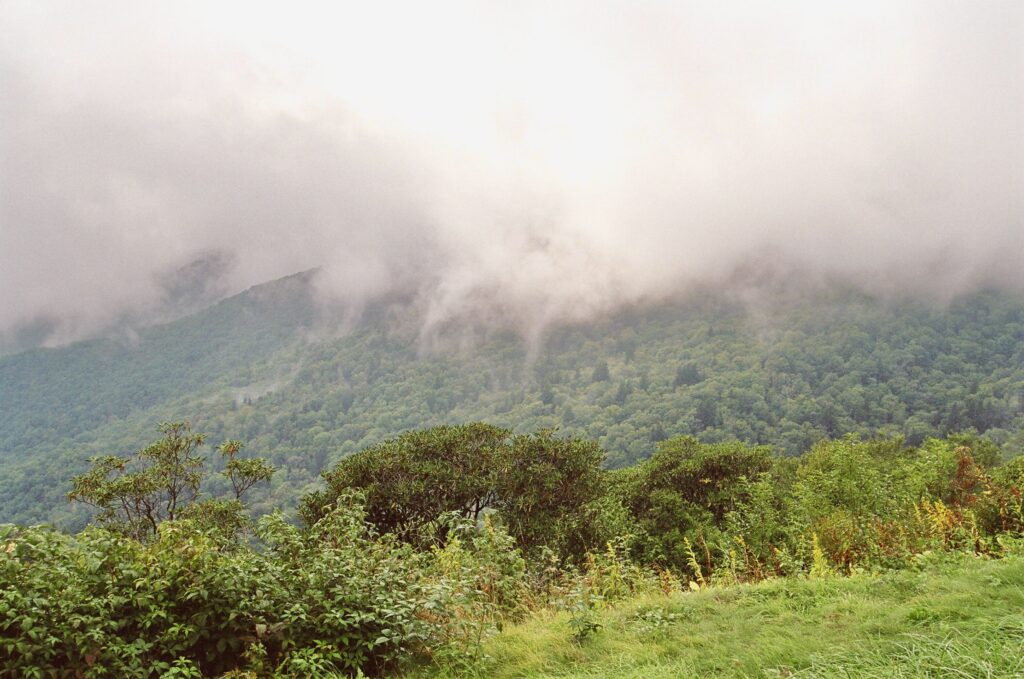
(256, 368)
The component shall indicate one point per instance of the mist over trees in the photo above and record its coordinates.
(542, 167)
(493, 337)
(261, 367)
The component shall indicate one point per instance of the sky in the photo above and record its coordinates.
(526, 162)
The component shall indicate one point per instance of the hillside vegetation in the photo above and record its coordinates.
(471, 551)
(266, 367)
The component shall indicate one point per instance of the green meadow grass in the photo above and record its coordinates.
(952, 616)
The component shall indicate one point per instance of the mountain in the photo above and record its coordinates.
(182, 291)
(267, 367)
(59, 406)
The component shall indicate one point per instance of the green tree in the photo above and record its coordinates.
(161, 482)
(541, 485)
(243, 473)
(687, 374)
(547, 492)
(411, 480)
(685, 491)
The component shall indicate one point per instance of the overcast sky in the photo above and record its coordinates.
(547, 159)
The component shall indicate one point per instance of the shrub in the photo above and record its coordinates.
(686, 491)
(333, 594)
(546, 488)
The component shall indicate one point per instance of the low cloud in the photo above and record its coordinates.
(516, 163)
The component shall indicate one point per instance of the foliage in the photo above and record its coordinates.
(346, 593)
(582, 620)
(685, 492)
(340, 594)
(726, 513)
(136, 494)
(549, 492)
(874, 503)
(243, 473)
(789, 375)
(411, 480)
(480, 585)
(162, 482)
(544, 487)
(331, 598)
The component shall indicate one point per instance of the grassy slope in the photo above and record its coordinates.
(960, 617)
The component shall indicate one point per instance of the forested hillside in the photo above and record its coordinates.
(261, 367)
(59, 406)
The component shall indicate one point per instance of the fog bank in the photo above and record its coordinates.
(518, 162)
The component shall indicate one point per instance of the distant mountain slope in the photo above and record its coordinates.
(56, 399)
(247, 368)
(51, 394)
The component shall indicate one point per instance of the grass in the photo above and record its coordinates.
(951, 616)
